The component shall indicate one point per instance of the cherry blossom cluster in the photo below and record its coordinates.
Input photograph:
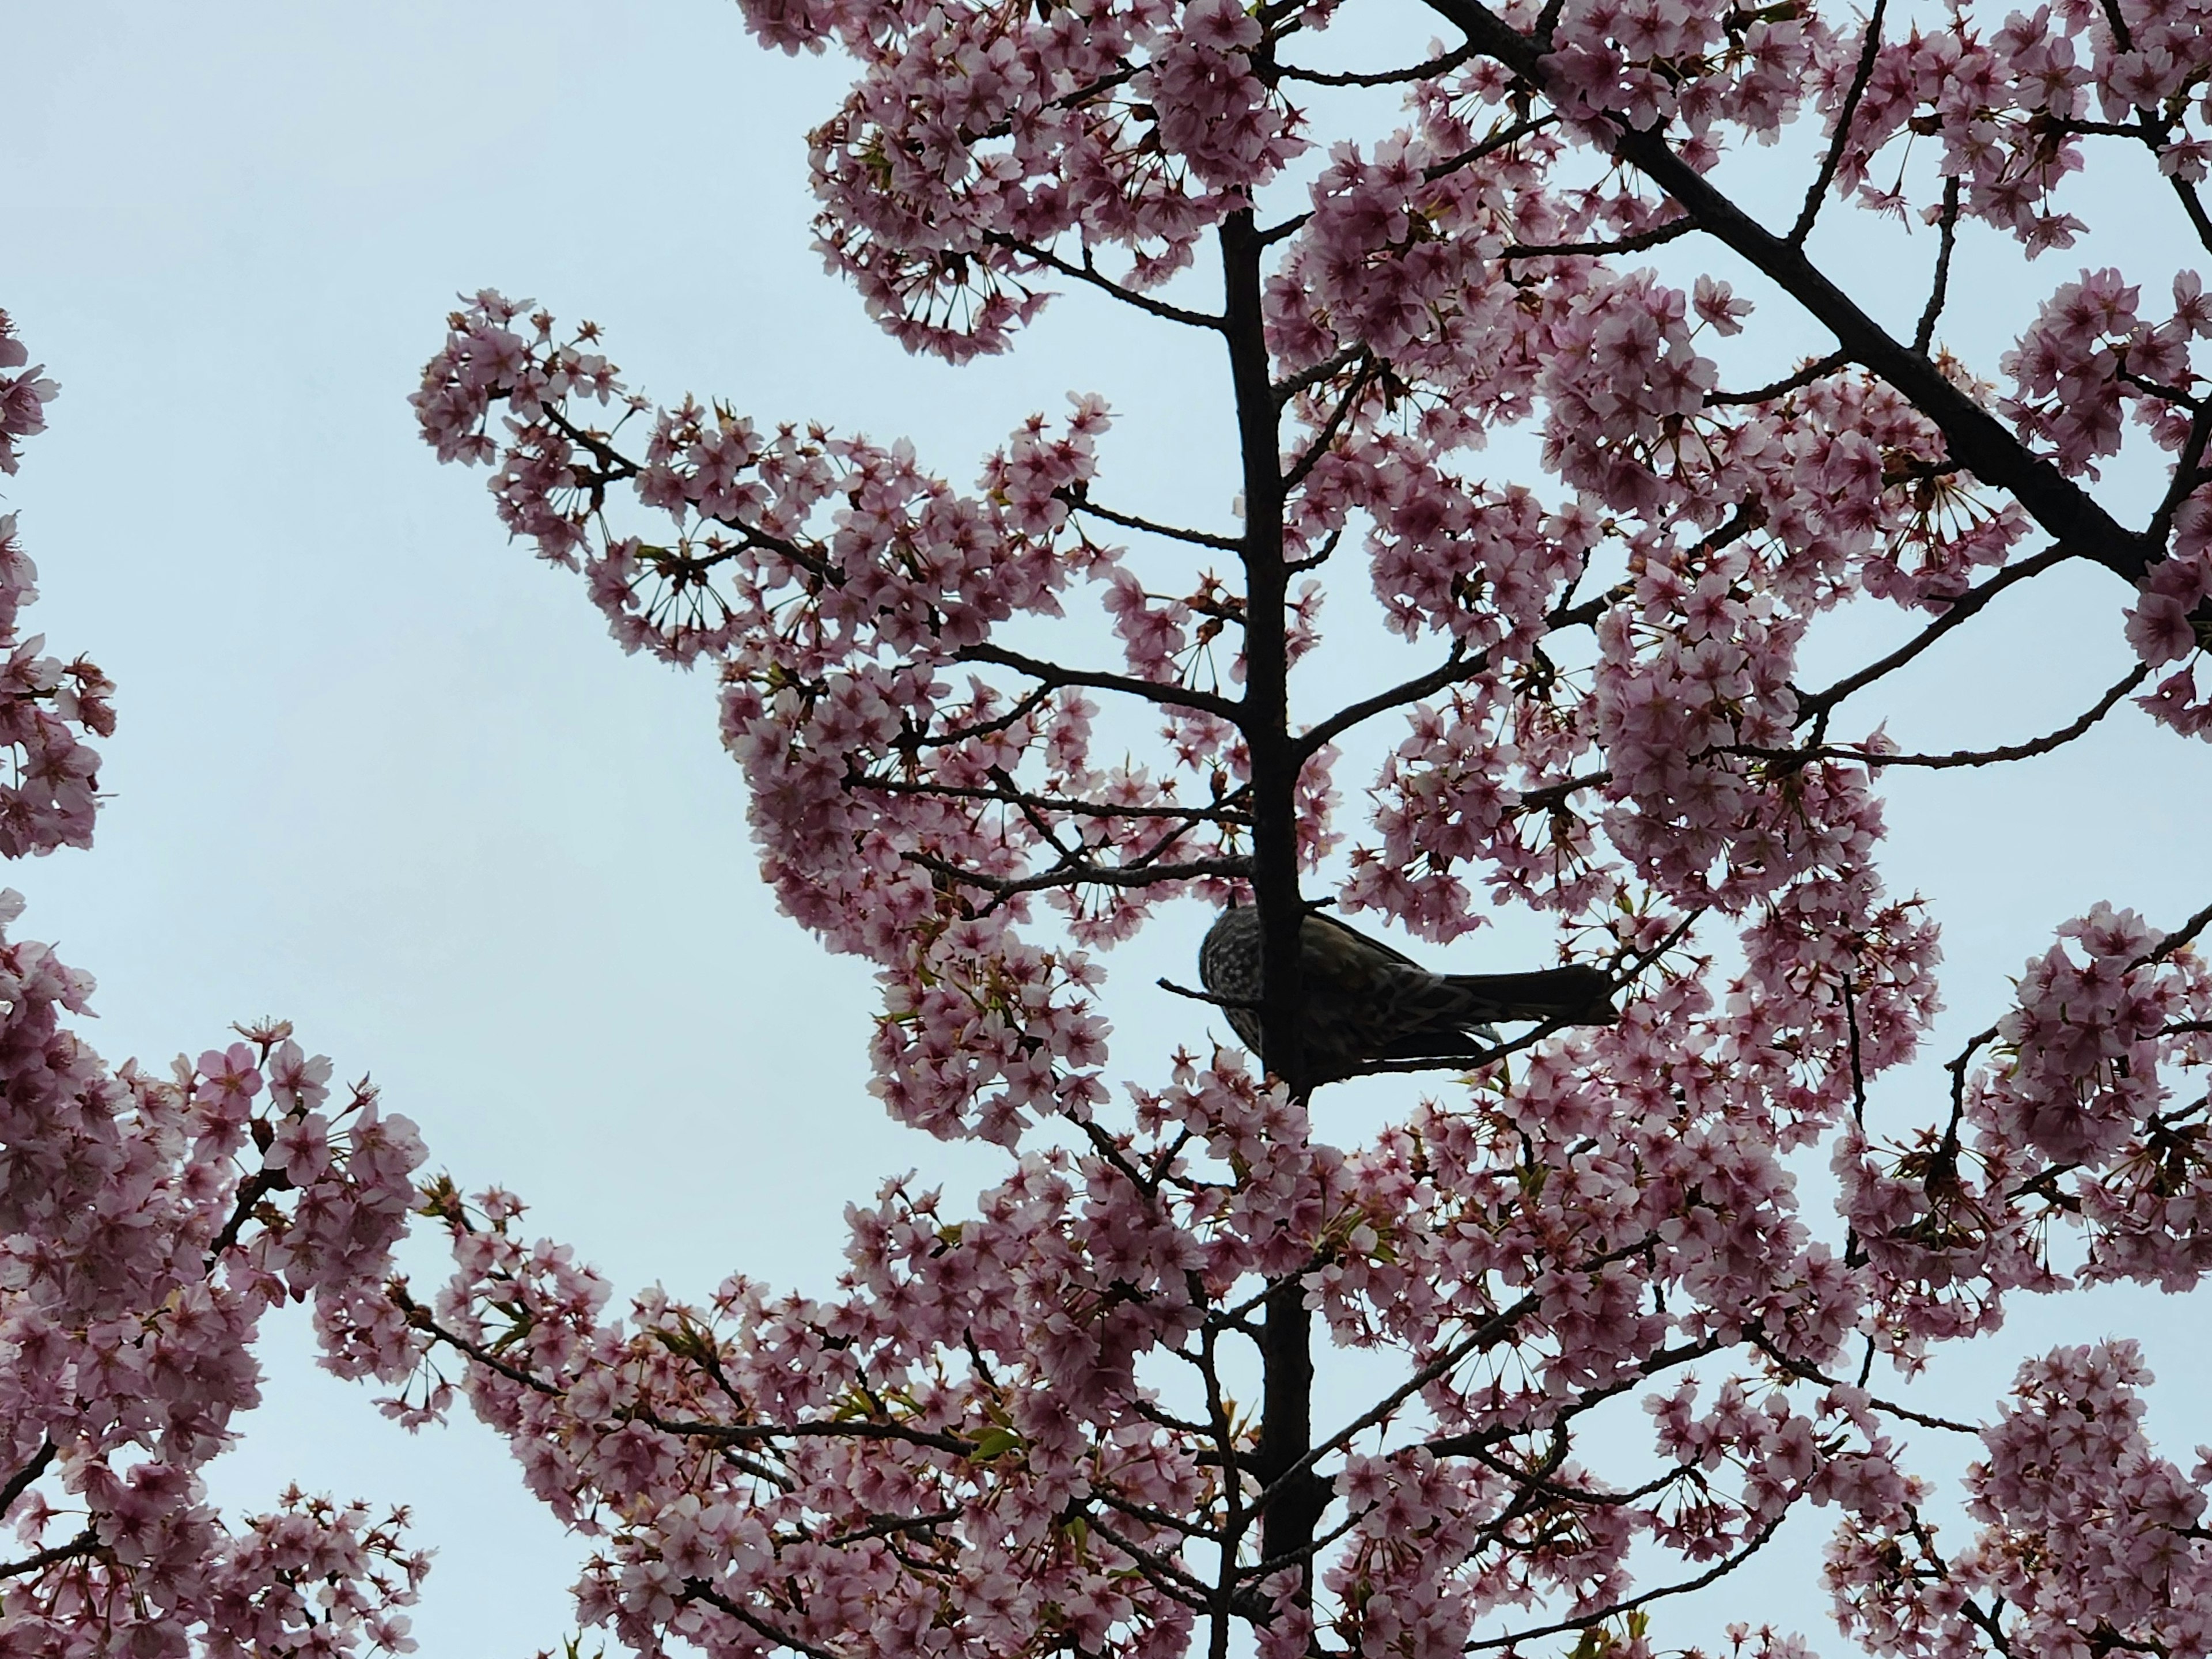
(2014, 105)
(48, 781)
(147, 1224)
(2088, 1535)
(25, 392)
(949, 1450)
(2089, 1112)
(977, 136)
(913, 783)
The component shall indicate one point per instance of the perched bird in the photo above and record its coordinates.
(1366, 1002)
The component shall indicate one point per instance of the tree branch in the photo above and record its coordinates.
(1081, 875)
(1656, 237)
(83, 1544)
(1961, 607)
(1454, 669)
(1869, 52)
(1818, 368)
(1596, 1616)
(1220, 812)
(19, 1482)
(2011, 751)
(1088, 272)
(1429, 70)
(1079, 498)
(1924, 333)
(1052, 675)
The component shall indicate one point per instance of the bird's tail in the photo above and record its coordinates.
(1577, 995)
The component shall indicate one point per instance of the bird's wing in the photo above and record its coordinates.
(1348, 940)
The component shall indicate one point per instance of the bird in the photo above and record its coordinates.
(1366, 1002)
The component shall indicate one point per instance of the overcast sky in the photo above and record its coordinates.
(383, 773)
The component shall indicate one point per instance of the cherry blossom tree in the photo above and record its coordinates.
(147, 1224)
(1082, 1418)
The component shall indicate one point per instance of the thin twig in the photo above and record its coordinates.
(1088, 272)
(1961, 607)
(1819, 368)
(1947, 226)
(1869, 52)
(1429, 70)
(83, 1544)
(1080, 500)
(1635, 244)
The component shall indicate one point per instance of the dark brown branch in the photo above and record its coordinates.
(1466, 1444)
(1501, 139)
(1206, 996)
(1030, 701)
(1053, 675)
(890, 1526)
(2011, 751)
(743, 1434)
(2184, 935)
(1081, 875)
(83, 1544)
(1429, 70)
(1453, 670)
(1947, 228)
(1491, 1330)
(1164, 1576)
(420, 1318)
(1598, 1615)
(1328, 369)
(1088, 272)
(251, 1192)
(1798, 1368)
(698, 1589)
(1219, 812)
(2187, 474)
(1079, 498)
(19, 1482)
(1656, 237)
(2193, 205)
(1960, 607)
(1362, 379)
(1868, 50)
(1818, 368)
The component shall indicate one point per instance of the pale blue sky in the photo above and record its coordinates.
(381, 773)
